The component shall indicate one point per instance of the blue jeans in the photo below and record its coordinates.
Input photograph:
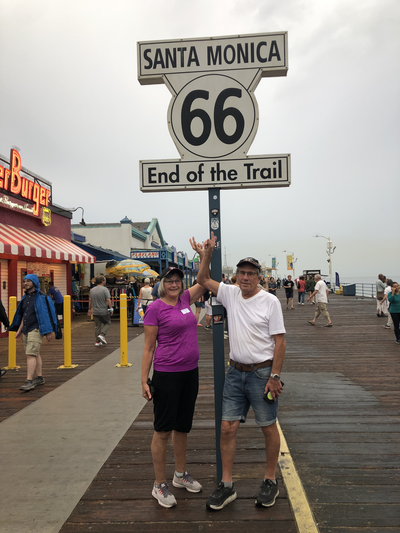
(243, 389)
(301, 297)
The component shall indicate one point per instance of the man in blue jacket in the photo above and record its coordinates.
(34, 318)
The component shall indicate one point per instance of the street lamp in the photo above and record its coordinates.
(329, 251)
(293, 261)
(82, 222)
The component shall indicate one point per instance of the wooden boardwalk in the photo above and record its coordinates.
(339, 414)
(84, 354)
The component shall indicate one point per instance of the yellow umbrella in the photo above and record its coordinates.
(148, 274)
(126, 267)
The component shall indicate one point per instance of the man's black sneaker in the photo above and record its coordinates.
(221, 496)
(28, 386)
(268, 493)
(39, 381)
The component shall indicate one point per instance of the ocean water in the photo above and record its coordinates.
(362, 279)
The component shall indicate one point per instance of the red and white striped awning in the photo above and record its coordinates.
(23, 242)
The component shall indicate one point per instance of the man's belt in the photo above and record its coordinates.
(249, 368)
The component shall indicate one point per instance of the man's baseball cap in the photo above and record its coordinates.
(250, 260)
(168, 270)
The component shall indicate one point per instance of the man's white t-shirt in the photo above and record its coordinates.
(321, 297)
(252, 322)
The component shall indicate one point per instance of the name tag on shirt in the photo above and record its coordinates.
(185, 311)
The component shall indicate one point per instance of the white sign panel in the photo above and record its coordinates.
(213, 114)
(245, 173)
(265, 51)
(145, 255)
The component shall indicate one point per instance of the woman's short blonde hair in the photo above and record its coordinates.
(146, 281)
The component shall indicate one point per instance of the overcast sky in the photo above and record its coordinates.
(71, 102)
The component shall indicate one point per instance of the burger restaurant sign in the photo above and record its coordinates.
(21, 190)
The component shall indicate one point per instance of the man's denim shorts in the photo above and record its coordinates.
(243, 389)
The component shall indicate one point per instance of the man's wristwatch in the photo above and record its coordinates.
(276, 377)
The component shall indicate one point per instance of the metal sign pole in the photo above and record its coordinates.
(217, 323)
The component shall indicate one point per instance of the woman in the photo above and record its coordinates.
(170, 330)
(301, 287)
(380, 293)
(145, 295)
(394, 300)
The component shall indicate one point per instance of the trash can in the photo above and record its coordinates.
(349, 290)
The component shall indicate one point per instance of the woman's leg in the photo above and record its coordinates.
(179, 443)
(396, 324)
(159, 454)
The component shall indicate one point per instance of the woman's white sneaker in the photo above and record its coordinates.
(186, 482)
(163, 495)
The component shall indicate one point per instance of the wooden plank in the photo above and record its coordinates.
(148, 510)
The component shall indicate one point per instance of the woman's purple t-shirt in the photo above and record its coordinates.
(177, 349)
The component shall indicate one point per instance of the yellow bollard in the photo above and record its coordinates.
(12, 343)
(67, 334)
(123, 318)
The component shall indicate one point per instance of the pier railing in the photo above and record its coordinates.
(363, 290)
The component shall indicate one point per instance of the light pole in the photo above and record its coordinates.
(329, 251)
(293, 261)
(72, 209)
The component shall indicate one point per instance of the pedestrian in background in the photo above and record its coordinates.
(5, 322)
(310, 286)
(34, 318)
(289, 286)
(385, 303)
(57, 298)
(100, 307)
(380, 293)
(394, 300)
(145, 295)
(301, 288)
(321, 294)
(272, 286)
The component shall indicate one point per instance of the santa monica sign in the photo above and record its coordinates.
(213, 115)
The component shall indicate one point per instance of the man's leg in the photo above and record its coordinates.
(31, 367)
(228, 447)
(272, 447)
(324, 312)
(97, 326)
(106, 324)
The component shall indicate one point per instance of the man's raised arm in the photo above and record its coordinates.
(205, 252)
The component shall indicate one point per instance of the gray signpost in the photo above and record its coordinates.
(213, 119)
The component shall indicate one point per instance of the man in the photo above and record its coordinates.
(34, 318)
(57, 298)
(310, 286)
(257, 348)
(288, 286)
(321, 294)
(101, 308)
(154, 292)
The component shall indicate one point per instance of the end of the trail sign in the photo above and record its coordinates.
(213, 114)
(244, 173)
